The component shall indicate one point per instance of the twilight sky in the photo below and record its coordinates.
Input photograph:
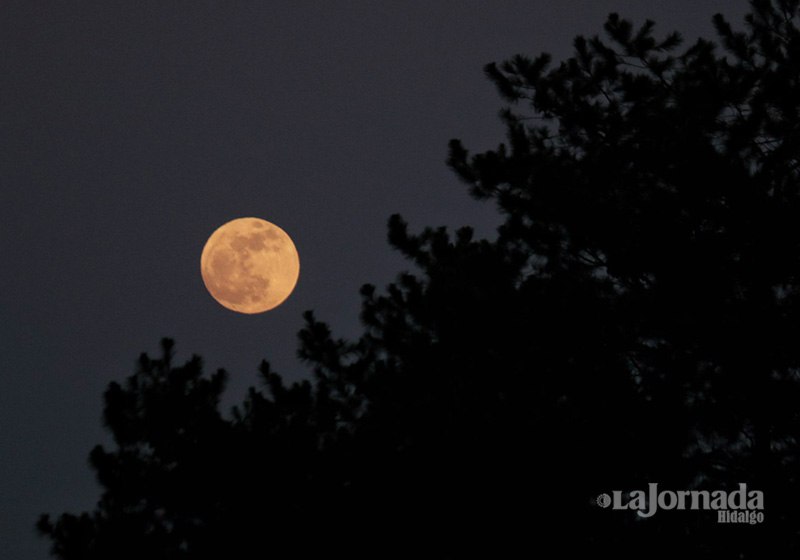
(132, 130)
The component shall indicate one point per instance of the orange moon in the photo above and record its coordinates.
(250, 265)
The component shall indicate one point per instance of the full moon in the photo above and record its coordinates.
(249, 265)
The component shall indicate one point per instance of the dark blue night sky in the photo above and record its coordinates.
(131, 130)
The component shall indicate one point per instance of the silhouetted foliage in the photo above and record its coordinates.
(636, 320)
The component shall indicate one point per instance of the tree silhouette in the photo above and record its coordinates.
(635, 321)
